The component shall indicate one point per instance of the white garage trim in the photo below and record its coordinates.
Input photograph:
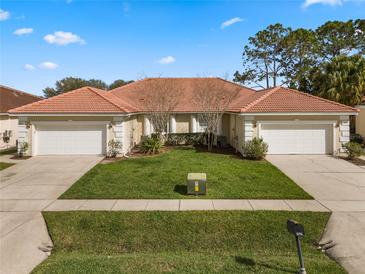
(330, 125)
(71, 137)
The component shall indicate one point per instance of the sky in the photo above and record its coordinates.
(44, 41)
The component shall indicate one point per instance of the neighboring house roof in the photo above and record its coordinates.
(11, 98)
(130, 98)
(82, 100)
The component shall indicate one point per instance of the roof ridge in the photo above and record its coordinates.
(121, 100)
(319, 98)
(121, 87)
(105, 98)
(258, 100)
(233, 83)
(48, 99)
(17, 90)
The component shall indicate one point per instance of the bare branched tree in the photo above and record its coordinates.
(160, 98)
(214, 99)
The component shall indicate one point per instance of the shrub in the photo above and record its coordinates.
(174, 139)
(151, 145)
(357, 138)
(22, 148)
(353, 150)
(255, 149)
(113, 148)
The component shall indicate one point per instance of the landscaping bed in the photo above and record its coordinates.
(183, 242)
(164, 177)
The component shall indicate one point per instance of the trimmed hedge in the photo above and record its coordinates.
(174, 139)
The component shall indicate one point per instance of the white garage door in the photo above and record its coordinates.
(70, 139)
(297, 138)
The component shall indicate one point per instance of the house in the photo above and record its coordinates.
(83, 121)
(11, 98)
(360, 118)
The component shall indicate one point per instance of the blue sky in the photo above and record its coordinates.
(44, 41)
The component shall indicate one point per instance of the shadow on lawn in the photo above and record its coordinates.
(250, 262)
(181, 189)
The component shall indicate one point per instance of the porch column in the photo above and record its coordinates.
(193, 124)
(248, 128)
(219, 128)
(344, 131)
(146, 126)
(118, 130)
(172, 124)
(23, 134)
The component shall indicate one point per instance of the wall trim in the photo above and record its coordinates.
(296, 113)
(70, 123)
(293, 122)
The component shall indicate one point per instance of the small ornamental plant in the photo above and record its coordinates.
(255, 149)
(353, 150)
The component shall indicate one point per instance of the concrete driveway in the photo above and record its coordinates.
(25, 189)
(339, 186)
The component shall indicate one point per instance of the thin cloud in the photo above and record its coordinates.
(63, 38)
(308, 3)
(230, 22)
(23, 31)
(4, 15)
(167, 60)
(29, 67)
(48, 65)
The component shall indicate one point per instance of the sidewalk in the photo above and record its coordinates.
(180, 205)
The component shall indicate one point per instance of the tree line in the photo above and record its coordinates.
(328, 61)
(72, 83)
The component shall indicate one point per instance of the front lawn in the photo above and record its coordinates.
(8, 151)
(164, 177)
(5, 165)
(183, 242)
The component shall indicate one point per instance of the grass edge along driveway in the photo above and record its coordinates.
(183, 242)
(164, 177)
(5, 165)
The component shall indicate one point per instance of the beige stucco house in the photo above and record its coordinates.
(85, 120)
(11, 98)
(360, 118)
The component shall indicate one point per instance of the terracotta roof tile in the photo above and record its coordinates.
(281, 99)
(135, 93)
(12, 98)
(82, 100)
(129, 99)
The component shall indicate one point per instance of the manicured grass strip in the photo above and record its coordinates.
(8, 151)
(164, 177)
(182, 242)
(5, 165)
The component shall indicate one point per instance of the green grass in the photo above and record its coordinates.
(7, 151)
(5, 165)
(182, 242)
(164, 177)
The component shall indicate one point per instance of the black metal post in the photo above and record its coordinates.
(300, 255)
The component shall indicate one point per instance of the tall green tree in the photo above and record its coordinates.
(262, 57)
(97, 84)
(342, 79)
(118, 83)
(359, 26)
(64, 85)
(300, 51)
(336, 38)
(72, 83)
